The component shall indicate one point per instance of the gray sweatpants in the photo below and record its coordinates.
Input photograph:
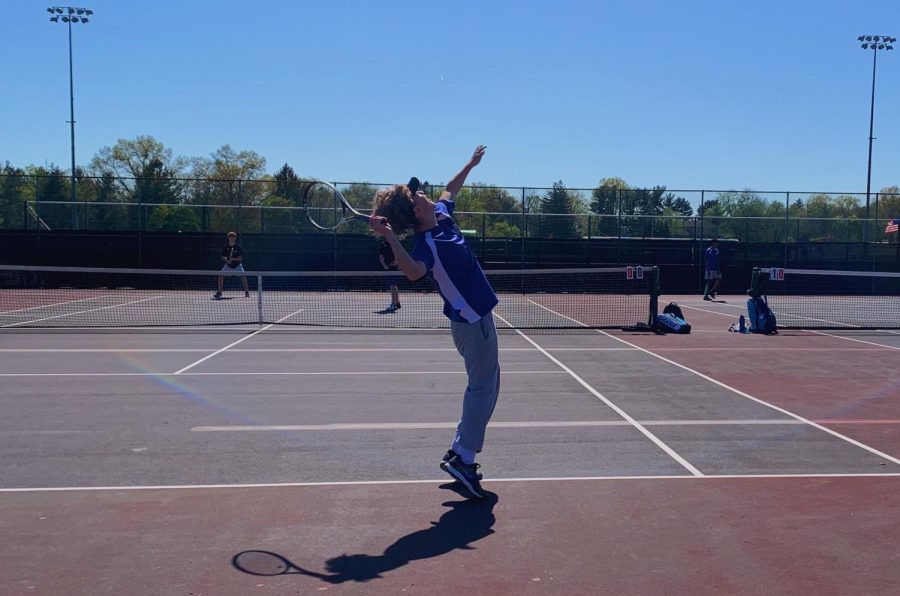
(477, 344)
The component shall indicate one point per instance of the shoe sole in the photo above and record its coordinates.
(453, 472)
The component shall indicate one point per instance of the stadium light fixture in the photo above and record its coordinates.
(69, 18)
(874, 43)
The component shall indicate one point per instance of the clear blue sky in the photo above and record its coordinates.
(770, 95)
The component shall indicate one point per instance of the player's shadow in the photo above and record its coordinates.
(466, 522)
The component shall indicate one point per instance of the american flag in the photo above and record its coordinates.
(892, 226)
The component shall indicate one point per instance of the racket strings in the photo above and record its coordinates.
(323, 206)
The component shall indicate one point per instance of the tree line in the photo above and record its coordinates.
(143, 171)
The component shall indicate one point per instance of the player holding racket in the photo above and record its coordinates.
(232, 256)
(440, 251)
(389, 263)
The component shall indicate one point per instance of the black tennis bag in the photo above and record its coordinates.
(672, 320)
(762, 319)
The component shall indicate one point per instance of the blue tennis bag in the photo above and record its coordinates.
(762, 319)
(672, 320)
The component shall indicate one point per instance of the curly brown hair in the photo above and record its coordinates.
(395, 204)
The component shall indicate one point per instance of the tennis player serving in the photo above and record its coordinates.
(440, 251)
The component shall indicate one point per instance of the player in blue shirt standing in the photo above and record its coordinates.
(713, 272)
(440, 251)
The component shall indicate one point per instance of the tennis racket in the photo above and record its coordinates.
(326, 208)
(265, 563)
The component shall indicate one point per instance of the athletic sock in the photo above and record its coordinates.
(465, 454)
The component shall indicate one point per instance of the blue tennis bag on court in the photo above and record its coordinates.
(762, 319)
(672, 320)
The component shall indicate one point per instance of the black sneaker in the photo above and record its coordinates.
(467, 474)
(451, 454)
(246, 294)
(707, 298)
(217, 295)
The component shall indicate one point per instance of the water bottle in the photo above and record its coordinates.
(742, 325)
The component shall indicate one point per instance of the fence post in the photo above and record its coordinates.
(524, 231)
(240, 212)
(787, 207)
(259, 291)
(483, 235)
(37, 210)
(140, 226)
(619, 226)
(702, 216)
(875, 227)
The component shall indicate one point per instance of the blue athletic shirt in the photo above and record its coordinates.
(467, 294)
(712, 259)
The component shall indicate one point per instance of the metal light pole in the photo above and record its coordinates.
(69, 15)
(874, 43)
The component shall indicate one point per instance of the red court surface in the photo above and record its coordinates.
(285, 462)
(679, 536)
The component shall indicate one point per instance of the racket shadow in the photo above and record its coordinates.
(465, 522)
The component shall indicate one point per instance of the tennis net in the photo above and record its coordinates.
(529, 299)
(823, 299)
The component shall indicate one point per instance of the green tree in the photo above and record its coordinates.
(230, 180)
(287, 185)
(677, 205)
(12, 197)
(605, 197)
(481, 198)
(888, 203)
(157, 184)
(52, 186)
(128, 160)
(557, 207)
(503, 229)
(109, 211)
(174, 218)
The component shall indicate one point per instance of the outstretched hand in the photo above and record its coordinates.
(476, 157)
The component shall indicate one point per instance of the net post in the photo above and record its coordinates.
(259, 299)
(654, 295)
(755, 283)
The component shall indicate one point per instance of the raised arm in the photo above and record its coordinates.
(457, 182)
(411, 268)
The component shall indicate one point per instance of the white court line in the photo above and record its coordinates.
(81, 312)
(712, 312)
(882, 346)
(764, 403)
(861, 341)
(706, 478)
(277, 373)
(743, 394)
(245, 338)
(6, 312)
(442, 425)
(656, 440)
(849, 327)
(277, 350)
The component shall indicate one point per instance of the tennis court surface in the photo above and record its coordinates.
(274, 459)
